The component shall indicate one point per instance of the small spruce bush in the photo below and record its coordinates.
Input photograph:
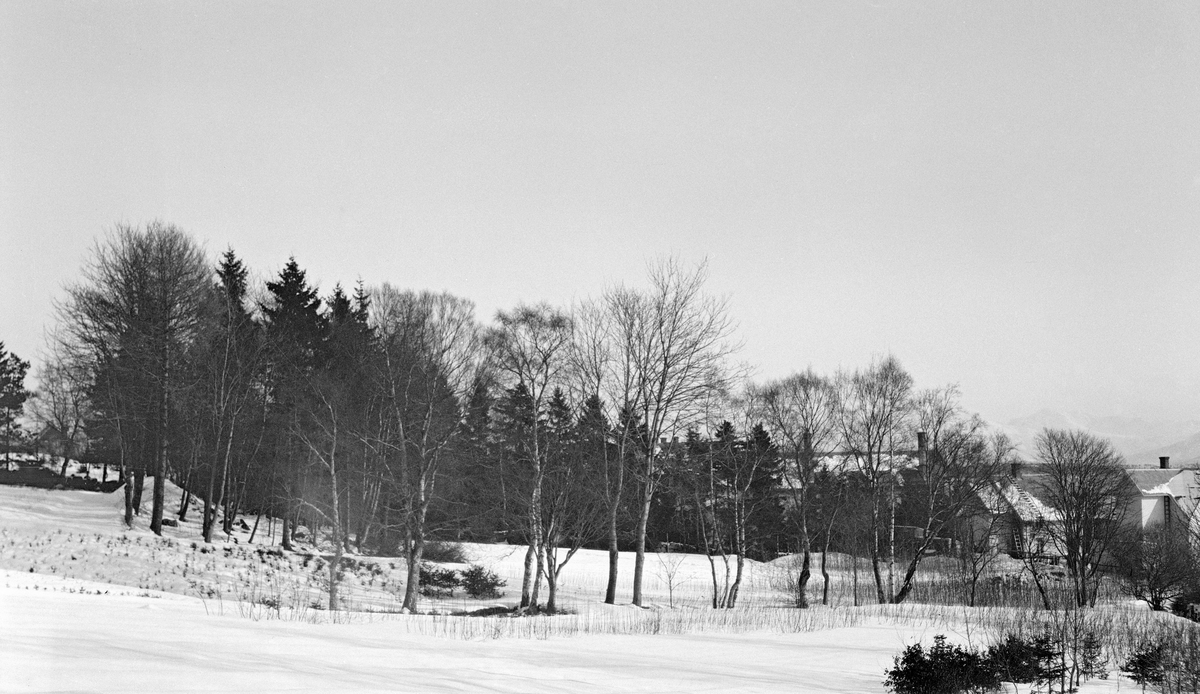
(436, 581)
(943, 669)
(482, 583)
(1147, 665)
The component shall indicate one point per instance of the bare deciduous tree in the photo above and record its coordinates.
(136, 310)
(1085, 481)
(61, 401)
(531, 349)
(431, 352)
(798, 411)
(671, 348)
(961, 463)
(873, 406)
(1158, 564)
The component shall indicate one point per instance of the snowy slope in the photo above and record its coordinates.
(87, 605)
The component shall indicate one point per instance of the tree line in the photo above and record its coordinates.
(387, 418)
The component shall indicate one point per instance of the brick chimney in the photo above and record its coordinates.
(1164, 461)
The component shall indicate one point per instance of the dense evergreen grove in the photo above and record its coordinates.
(379, 420)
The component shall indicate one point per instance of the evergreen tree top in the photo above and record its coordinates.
(232, 274)
(362, 302)
(292, 293)
(12, 385)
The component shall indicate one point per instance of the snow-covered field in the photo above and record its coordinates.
(87, 605)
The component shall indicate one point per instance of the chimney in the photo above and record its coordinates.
(921, 444)
(1164, 461)
(1015, 471)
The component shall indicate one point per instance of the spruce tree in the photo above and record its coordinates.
(12, 396)
(295, 332)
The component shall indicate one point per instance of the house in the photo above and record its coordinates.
(1015, 515)
(1014, 518)
(1162, 495)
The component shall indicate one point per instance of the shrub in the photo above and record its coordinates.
(1146, 665)
(943, 669)
(437, 581)
(482, 583)
(444, 553)
(1182, 605)
(1018, 660)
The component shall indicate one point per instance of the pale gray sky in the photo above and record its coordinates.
(1006, 196)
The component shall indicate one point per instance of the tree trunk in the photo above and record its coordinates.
(875, 558)
(128, 497)
(185, 499)
(737, 581)
(336, 527)
(285, 532)
(413, 583)
(527, 577)
(825, 577)
(854, 574)
(802, 581)
(539, 569)
(614, 560)
(160, 468)
(639, 561)
(551, 580)
(139, 484)
(416, 548)
(257, 519)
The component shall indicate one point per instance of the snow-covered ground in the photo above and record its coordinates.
(88, 605)
(71, 641)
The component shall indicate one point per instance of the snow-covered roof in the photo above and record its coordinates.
(1155, 481)
(1017, 495)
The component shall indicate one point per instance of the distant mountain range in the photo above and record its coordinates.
(1141, 441)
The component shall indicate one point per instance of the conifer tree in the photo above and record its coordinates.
(295, 331)
(12, 396)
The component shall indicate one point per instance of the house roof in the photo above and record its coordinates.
(1018, 495)
(1154, 481)
(1031, 507)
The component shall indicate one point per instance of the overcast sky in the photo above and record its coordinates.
(1005, 196)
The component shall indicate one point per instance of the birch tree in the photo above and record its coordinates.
(670, 352)
(873, 406)
(430, 355)
(798, 411)
(530, 348)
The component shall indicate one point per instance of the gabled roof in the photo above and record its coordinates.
(1017, 495)
(1155, 481)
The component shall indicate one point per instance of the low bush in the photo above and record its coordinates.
(1147, 665)
(482, 583)
(443, 553)
(1020, 660)
(436, 581)
(943, 669)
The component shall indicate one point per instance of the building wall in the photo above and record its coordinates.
(1153, 510)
